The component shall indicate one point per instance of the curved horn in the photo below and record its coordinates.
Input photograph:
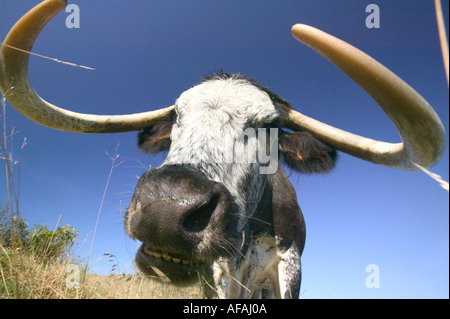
(422, 133)
(16, 87)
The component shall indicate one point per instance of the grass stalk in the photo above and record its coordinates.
(113, 165)
(10, 190)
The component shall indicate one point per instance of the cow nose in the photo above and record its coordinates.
(198, 218)
(173, 210)
(174, 221)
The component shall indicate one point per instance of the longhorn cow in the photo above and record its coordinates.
(200, 216)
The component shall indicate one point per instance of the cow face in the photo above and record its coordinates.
(195, 207)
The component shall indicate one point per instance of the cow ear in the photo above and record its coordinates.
(305, 154)
(156, 138)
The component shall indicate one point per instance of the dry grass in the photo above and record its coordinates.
(137, 287)
(436, 177)
(47, 279)
(35, 279)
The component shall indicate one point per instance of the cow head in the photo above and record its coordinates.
(196, 207)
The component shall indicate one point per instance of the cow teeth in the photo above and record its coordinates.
(166, 257)
(156, 255)
(148, 251)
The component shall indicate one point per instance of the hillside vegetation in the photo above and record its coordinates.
(36, 263)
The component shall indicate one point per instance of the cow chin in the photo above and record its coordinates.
(184, 220)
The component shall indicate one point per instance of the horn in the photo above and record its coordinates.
(421, 130)
(15, 84)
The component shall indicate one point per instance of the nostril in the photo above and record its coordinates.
(198, 218)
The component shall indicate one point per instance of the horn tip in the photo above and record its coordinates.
(298, 30)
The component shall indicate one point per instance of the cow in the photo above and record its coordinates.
(219, 209)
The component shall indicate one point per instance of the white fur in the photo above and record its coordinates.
(264, 267)
(211, 119)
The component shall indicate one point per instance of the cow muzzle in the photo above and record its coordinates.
(182, 218)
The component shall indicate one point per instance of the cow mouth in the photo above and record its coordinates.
(166, 256)
(167, 266)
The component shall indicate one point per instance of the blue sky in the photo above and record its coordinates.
(146, 53)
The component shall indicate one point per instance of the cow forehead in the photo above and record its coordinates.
(226, 101)
(212, 117)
